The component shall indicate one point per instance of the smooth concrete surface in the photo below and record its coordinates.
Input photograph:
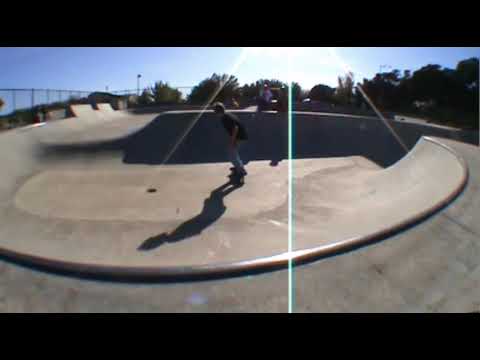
(432, 266)
(110, 215)
(102, 213)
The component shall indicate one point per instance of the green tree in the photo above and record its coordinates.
(2, 103)
(146, 97)
(250, 92)
(344, 91)
(358, 99)
(427, 83)
(321, 92)
(467, 72)
(384, 89)
(439, 86)
(441, 94)
(226, 85)
(297, 92)
(164, 94)
(272, 83)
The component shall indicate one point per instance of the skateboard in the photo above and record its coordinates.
(236, 178)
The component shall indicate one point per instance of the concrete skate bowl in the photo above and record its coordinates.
(75, 200)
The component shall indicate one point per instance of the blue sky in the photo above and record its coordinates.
(96, 68)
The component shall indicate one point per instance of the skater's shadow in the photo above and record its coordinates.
(213, 209)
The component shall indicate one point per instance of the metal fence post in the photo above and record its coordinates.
(48, 96)
(33, 98)
(14, 101)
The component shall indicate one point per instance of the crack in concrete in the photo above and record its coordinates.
(462, 226)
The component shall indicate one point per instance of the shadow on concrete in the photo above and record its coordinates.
(313, 137)
(207, 142)
(213, 209)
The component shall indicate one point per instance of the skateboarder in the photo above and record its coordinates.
(237, 133)
(265, 98)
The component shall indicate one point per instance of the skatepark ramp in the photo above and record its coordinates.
(108, 112)
(84, 117)
(147, 139)
(105, 108)
(352, 185)
(103, 111)
(85, 112)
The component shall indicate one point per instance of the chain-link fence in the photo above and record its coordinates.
(185, 90)
(21, 106)
(125, 92)
(22, 99)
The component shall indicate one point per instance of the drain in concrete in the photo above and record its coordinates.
(152, 190)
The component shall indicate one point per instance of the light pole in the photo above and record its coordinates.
(138, 84)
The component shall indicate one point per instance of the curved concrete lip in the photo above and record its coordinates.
(427, 150)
